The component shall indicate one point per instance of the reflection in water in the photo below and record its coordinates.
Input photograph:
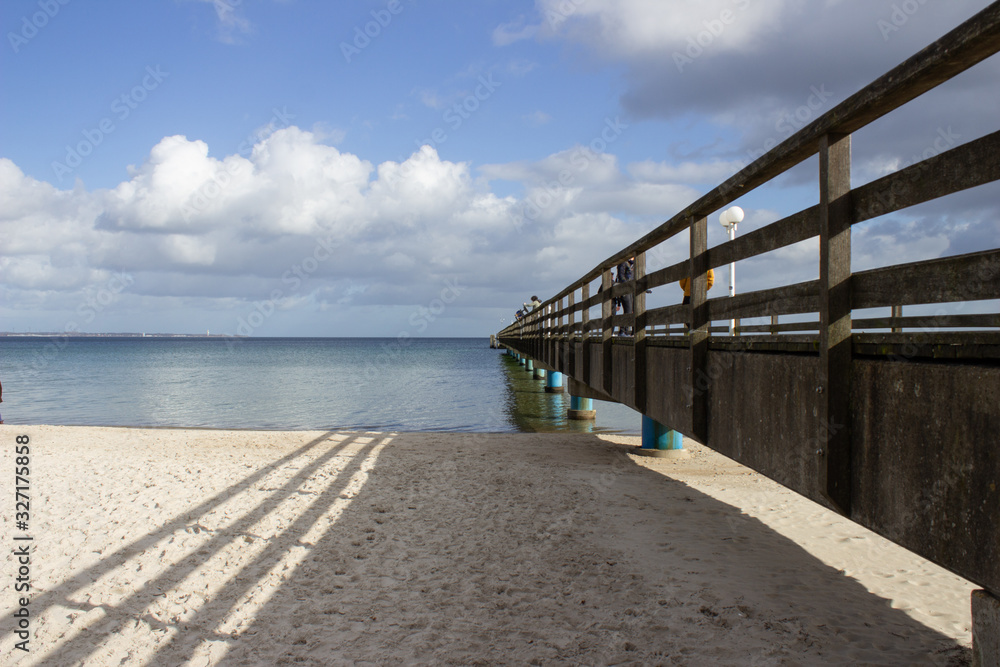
(532, 409)
(347, 384)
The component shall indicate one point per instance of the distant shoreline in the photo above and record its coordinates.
(79, 334)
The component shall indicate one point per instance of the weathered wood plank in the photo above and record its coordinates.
(607, 371)
(699, 334)
(971, 277)
(679, 314)
(775, 328)
(940, 346)
(639, 309)
(961, 168)
(928, 321)
(667, 275)
(785, 232)
(834, 419)
(785, 300)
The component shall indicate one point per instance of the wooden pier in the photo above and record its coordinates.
(893, 421)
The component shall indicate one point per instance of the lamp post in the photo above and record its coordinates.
(729, 218)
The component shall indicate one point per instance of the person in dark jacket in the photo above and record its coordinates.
(625, 272)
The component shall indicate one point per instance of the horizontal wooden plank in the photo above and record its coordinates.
(971, 277)
(796, 343)
(928, 321)
(776, 328)
(787, 300)
(785, 232)
(665, 276)
(957, 345)
(619, 290)
(623, 320)
(594, 300)
(960, 168)
(679, 314)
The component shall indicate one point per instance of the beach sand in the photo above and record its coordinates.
(205, 547)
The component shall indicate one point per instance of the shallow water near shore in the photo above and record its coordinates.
(425, 384)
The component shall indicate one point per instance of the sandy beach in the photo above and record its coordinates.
(205, 547)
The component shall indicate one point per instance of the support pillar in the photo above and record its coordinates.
(985, 629)
(520, 360)
(833, 417)
(581, 408)
(661, 441)
(554, 382)
(529, 365)
(539, 373)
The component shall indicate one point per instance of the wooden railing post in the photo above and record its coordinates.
(571, 337)
(550, 333)
(585, 328)
(699, 333)
(639, 329)
(606, 331)
(572, 315)
(833, 434)
(559, 344)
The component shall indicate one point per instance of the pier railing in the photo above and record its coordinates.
(897, 429)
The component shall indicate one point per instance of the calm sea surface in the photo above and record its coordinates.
(454, 384)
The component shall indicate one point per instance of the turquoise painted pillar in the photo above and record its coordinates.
(539, 373)
(554, 382)
(520, 359)
(581, 408)
(528, 365)
(657, 436)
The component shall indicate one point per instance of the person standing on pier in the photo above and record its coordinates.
(685, 284)
(625, 272)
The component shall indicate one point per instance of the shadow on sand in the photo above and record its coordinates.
(497, 548)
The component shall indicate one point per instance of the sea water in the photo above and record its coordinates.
(421, 384)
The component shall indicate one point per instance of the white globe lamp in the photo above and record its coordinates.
(729, 218)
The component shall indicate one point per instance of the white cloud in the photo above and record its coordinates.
(642, 28)
(577, 166)
(332, 232)
(191, 226)
(514, 31)
(712, 172)
(231, 20)
(183, 249)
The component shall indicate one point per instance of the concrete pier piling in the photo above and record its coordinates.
(581, 408)
(661, 441)
(554, 382)
(985, 629)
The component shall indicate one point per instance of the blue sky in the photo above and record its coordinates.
(384, 168)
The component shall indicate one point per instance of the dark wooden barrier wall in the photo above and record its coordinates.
(900, 431)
